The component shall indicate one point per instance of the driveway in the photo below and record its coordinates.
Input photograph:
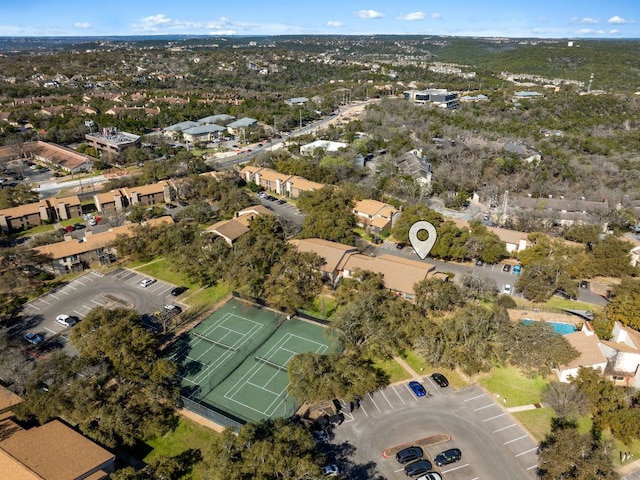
(120, 288)
(474, 420)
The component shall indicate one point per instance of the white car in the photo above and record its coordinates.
(507, 289)
(330, 471)
(147, 281)
(66, 320)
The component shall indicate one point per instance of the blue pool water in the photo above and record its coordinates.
(558, 327)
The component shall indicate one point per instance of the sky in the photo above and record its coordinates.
(501, 18)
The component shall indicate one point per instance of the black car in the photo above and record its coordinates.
(506, 268)
(178, 291)
(281, 202)
(79, 226)
(170, 206)
(417, 468)
(440, 379)
(400, 245)
(448, 456)
(409, 454)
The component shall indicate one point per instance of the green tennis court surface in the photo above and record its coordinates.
(236, 360)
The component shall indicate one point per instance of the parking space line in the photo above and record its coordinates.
(71, 287)
(532, 467)
(527, 451)
(52, 295)
(364, 411)
(516, 439)
(50, 331)
(456, 468)
(97, 302)
(494, 417)
(399, 470)
(44, 301)
(78, 313)
(504, 428)
(486, 406)
(32, 305)
(385, 397)
(78, 281)
(374, 403)
(401, 399)
(477, 396)
(62, 291)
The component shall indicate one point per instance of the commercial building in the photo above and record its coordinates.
(436, 96)
(112, 141)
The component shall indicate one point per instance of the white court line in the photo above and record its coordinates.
(486, 406)
(374, 403)
(527, 451)
(401, 399)
(385, 397)
(532, 467)
(477, 396)
(504, 428)
(493, 418)
(455, 468)
(516, 439)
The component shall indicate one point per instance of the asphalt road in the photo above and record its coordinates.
(493, 445)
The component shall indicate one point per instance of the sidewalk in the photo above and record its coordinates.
(407, 367)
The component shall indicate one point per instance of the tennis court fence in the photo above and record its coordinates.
(210, 413)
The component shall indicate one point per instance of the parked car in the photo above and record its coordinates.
(33, 338)
(409, 454)
(507, 289)
(506, 268)
(281, 202)
(440, 379)
(400, 245)
(147, 281)
(448, 456)
(516, 269)
(79, 226)
(178, 291)
(430, 476)
(418, 468)
(330, 471)
(92, 222)
(172, 309)
(418, 389)
(479, 263)
(66, 320)
(170, 206)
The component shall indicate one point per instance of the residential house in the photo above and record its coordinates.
(514, 241)
(219, 119)
(623, 355)
(296, 101)
(34, 214)
(117, 200)
(279, 183)
(202, 133)
(174, 131)
(587, 343)
(72, 255)
(50, 154)
(8, 400)
(527, 96)
(414, 164)
(239, 126)
(52, 451)
(335, 255)
(399, 274)
(109, 203)
(232, 230)
(324, 145)
(375, 216)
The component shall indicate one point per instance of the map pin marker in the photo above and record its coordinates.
(422, 247)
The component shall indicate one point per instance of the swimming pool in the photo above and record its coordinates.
(559, 327)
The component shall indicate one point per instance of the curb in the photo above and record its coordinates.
(423, 442)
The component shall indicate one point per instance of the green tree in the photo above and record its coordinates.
(328, 215)
(16, 196)
(436, 295)
(294, 280)
(315, 377)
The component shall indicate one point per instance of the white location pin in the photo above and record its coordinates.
(422, 247)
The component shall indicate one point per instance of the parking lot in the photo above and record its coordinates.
(120, 288)
(474, 420)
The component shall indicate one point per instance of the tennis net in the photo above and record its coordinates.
(282, 368)
(214, 342)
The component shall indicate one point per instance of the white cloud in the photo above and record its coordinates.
(224, 33)
(590, 31)
(153, 23)
(369, 14)
(436, 16)
(543, 19)
(409, 17)
(83, 25)
(613, 32)
(616, 20)
(585, 20)
(335, 24)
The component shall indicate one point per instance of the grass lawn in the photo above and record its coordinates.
(511, 384)
(393, 369)
(323, 306)
(36, 230)
(537, 422)
(187, 434)
(207, 296)
(162, 270)
(560, 303)
(71, 221)
(416, 362)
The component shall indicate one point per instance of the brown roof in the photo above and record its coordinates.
(400, 274)
(271, 175)
(304, 185)
(13, 469)
(334, 254)
(256, 209)
(94, 242)
(23, 210)
(230, 230)
(251, 169)
(587, 346)
(373, 207)
(380, 222)
(8, 399)
(107, 197)
(55, 451)
(509, 236)
(151, 189)
(71, 200)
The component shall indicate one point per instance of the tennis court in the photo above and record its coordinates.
(236, 360)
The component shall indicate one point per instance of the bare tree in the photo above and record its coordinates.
(565, 399)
